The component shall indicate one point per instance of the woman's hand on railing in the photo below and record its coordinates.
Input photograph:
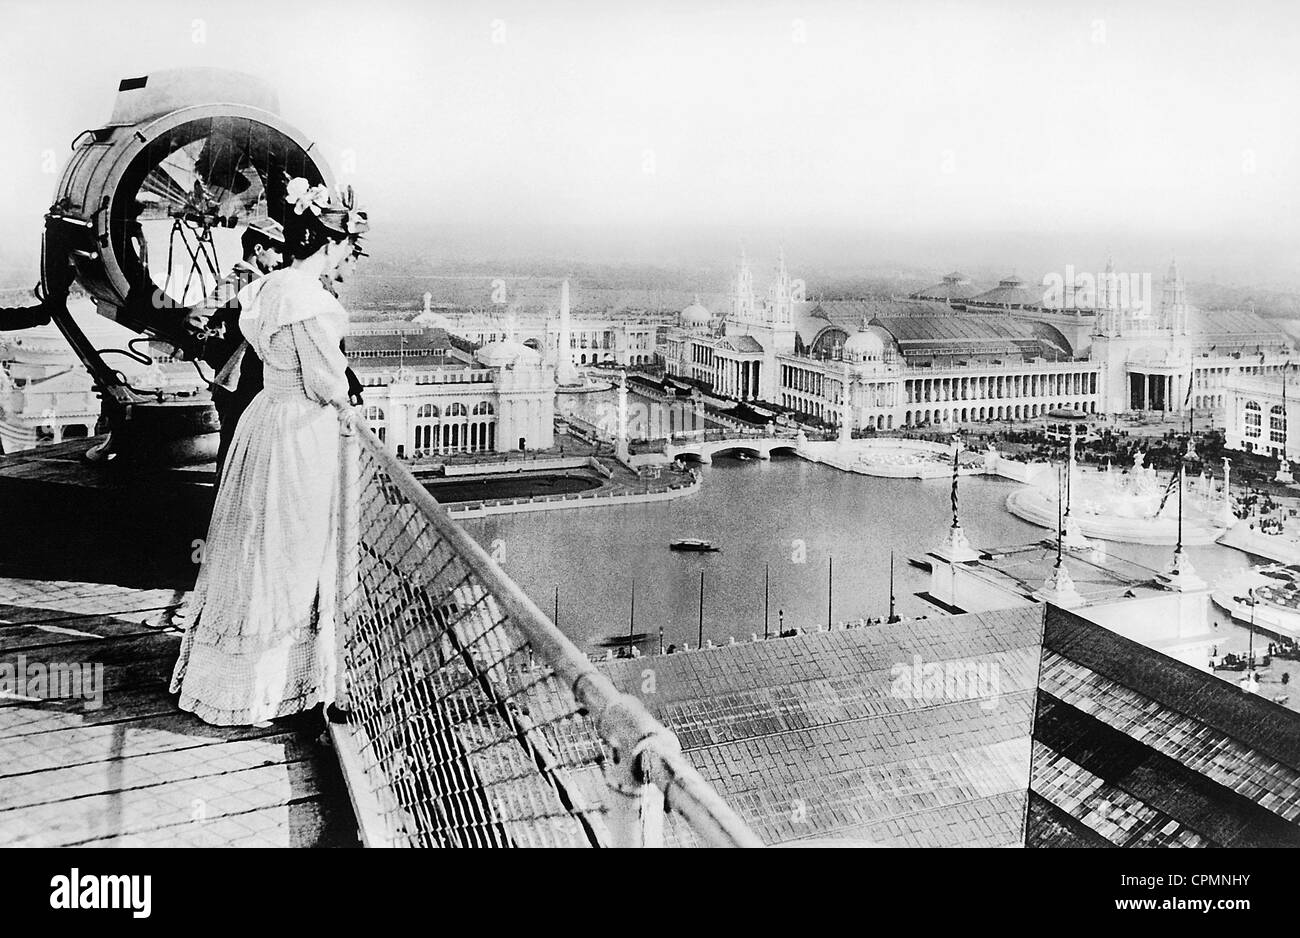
(349, 416)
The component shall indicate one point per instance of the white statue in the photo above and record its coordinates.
(991, 458)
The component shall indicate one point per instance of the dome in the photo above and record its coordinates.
(696, 316)
(506, 353)
(864, 345)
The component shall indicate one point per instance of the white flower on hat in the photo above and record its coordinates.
(305, 196)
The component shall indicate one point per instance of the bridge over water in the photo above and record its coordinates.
(703, 446)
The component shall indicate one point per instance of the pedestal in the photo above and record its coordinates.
(956, 549)
(1072, 537)
(1180, 575)
(1059, 590)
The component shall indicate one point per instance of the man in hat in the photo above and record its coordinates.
(216, 322)
(243, 374)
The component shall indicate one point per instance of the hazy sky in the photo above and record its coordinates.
(1118, 121)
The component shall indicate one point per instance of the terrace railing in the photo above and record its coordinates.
(473, 720)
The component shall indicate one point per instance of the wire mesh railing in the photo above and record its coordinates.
(473, 720)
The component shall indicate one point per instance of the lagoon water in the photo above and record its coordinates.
(789, 515)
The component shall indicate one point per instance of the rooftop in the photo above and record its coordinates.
(1132, 748)
(809, 737)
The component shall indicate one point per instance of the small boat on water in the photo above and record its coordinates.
(693, 544)
(623, 641)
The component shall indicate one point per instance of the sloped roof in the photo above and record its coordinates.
(1234, 322)
(1098, 740)
(809, 737)
(740, 343)
(1132, 748)
(954, 286)
(848, 314)
(435, 340)
(975, 334)
(1011, 291)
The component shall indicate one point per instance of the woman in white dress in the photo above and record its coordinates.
(260, 639)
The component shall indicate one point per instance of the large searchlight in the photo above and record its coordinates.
(150, 208)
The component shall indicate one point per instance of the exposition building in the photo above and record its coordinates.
(428, 392)
(948, 354)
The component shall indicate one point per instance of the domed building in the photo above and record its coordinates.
(866, 347)
(507, 353)
(999, 355)
(1012, 292)
(695, 317)
(431, 393)
(955, 286)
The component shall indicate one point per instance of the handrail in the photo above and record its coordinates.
(646, 754)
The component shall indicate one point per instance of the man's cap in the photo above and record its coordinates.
(268, 228)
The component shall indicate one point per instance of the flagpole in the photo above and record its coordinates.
(891, 586)
(1179, 548)
(830, 591)
(631, 618)
(701, 645)
(767, 570)
(1059, 495)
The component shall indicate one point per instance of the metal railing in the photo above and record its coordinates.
(474, 721)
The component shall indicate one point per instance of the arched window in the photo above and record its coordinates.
(1254, 419)
(426, 411)
(483, 408)
(1277, 424)
(373, 415)
(457, 409)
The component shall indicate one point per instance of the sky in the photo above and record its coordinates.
(882, 132)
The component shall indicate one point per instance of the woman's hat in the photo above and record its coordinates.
(336, 210)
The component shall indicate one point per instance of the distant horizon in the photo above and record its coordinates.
(842, 254)
(994, 134)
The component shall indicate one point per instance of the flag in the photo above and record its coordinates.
(1168, 491)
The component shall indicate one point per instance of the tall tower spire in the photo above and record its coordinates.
(782, 298)
(565, 373)
(742, 297)
(1173, 301)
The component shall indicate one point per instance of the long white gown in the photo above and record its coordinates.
(259, 644)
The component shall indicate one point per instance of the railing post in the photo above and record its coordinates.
(349, 515)
(636, 803)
